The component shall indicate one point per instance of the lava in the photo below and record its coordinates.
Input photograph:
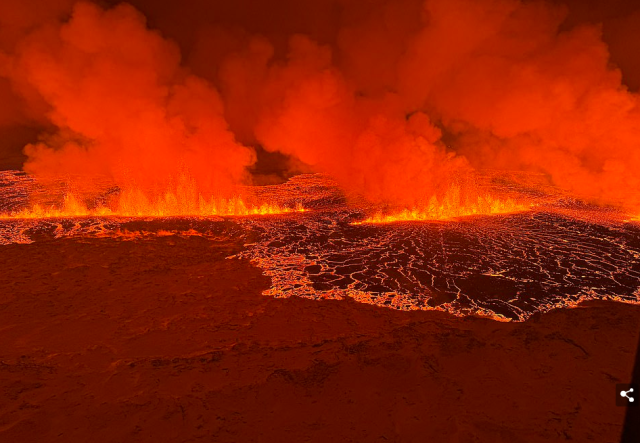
(136, 204)
(196, 179)
(557, 253)
(553, 252)
(183, 200)
(451, 206)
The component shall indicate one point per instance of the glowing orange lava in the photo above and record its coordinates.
(135, 203)
(450, 206)
(634, 217)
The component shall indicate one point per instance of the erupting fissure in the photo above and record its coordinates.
(135, 203)
(451, 205)
(553, 253)
(395, 101)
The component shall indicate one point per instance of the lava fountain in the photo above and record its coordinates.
(182, 200)
(532, 252)
(452, 205)
(408, 131)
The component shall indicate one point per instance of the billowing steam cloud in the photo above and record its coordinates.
(123, 106)
(367, 95)
(307, 108)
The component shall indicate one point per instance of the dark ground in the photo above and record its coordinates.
(164, 340)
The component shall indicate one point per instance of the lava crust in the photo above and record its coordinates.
(506, 266)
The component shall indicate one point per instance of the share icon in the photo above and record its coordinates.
(625, 394)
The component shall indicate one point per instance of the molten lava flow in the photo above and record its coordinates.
(451, 205)
(135, 203)
(138, 205)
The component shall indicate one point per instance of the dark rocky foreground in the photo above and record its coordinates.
(161, 338)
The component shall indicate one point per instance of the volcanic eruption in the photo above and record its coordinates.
(477, 158)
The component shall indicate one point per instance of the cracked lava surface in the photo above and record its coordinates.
(505, 267)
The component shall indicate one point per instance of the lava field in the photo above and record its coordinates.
(506, 267)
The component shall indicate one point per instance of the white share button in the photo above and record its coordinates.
(626, 395)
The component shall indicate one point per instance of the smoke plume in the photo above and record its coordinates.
(395, 99)
(123, 106)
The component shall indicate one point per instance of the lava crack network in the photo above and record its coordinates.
(556, 253)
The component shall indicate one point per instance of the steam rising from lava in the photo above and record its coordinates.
(398, 100)
(123, 106)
